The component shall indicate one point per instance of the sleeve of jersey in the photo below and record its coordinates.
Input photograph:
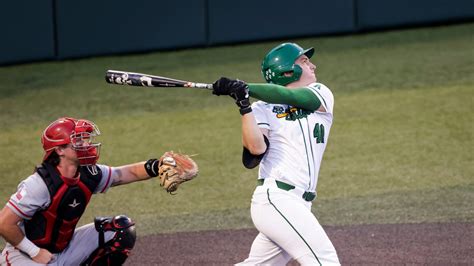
(324, 95)
(259, 113)
(106, 180)
(271, 93)
(31, 195)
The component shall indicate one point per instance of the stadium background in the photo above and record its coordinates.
(55, 30)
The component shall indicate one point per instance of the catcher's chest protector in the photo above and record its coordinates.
(53, 227)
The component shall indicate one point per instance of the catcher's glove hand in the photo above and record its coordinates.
(174, 169)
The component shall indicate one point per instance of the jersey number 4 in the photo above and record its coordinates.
(318, 133)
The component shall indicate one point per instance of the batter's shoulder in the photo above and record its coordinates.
(324, 94)
(319, 86)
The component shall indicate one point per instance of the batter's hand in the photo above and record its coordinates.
(241, 97)
(237, 89)
(43, 257)
(225, 86)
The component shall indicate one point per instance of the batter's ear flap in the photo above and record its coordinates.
(251, 161)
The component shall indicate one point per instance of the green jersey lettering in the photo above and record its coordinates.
(318, 133)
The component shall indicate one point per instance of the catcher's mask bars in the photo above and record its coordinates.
(79, 133)
(280, 60)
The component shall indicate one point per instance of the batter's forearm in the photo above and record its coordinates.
(252, 137)
(272, 93)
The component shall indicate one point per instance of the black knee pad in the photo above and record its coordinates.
(116, 250)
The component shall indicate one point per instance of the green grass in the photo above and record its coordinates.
(400, 149)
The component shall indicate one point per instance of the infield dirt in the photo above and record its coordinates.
(377, 244)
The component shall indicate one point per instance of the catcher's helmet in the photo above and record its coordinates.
(280, 60)
(79, 133)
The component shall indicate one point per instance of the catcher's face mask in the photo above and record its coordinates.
(79, 133)
(82, 141)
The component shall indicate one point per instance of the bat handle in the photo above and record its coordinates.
(199, 85)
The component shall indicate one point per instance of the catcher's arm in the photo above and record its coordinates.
(12, 233)
(130, 173)
(172, 169)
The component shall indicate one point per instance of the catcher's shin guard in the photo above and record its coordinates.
(116, 250)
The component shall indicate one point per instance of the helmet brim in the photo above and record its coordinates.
(309, 52)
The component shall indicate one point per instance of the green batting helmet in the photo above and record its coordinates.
(282, 59)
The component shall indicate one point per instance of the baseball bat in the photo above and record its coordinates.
(145, 80)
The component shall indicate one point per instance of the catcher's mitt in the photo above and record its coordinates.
(174, 169)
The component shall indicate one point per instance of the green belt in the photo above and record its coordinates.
(308, 196)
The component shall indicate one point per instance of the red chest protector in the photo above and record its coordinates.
(53, 228)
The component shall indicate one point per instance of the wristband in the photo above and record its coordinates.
(151, 167)
(28, 247)
(245, 110)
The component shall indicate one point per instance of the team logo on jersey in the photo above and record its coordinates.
(20, 194)
(290, 113)
(92, 169)
(74, 204)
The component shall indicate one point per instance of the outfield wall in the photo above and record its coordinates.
(63, 29)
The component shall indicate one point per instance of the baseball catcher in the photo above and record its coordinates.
(39, 221)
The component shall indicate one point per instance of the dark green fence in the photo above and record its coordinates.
(61, 29)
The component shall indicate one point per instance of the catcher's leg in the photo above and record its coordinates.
(116, 250)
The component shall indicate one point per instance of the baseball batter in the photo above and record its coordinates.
(39, 221)
(285, 133)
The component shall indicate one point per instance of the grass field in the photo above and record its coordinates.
(400, 149)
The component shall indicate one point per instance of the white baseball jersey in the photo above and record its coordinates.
(297, 138)
(288, 229)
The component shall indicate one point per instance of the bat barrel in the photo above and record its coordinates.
(144, 80)
(127, 78)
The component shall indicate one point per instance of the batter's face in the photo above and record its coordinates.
(309, 75)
